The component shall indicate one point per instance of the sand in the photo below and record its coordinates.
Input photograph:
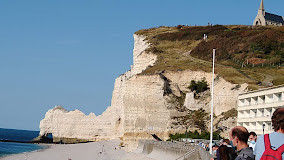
(103, 150)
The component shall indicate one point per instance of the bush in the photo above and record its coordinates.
(198, 87)
(230, 113)
(198, 119)
(194, 135)
(179, 27)
(254, 47)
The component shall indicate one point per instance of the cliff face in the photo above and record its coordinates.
(142, 104)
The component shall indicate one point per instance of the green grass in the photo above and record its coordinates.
(235, 45)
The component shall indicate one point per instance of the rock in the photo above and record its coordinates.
(141, 104)
(189, 102)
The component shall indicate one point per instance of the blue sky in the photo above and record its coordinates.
(69, 52)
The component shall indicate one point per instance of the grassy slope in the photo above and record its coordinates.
(236, 46)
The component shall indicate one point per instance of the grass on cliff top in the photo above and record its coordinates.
(240, 49)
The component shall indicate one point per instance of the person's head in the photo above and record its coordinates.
(214, 148)
(239, 136)
(226, 142)
(252, 137)
(278, 120)
(224, 152)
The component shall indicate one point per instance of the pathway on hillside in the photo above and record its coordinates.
(187, 54)
(266, 78)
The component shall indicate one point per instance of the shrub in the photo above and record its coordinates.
(179, 27)
(194, 135)
(230, 113)
(254, 47)
(198, 87)
(198, 119)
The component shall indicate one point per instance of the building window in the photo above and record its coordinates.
(241, 102)
(260, 112)
(261, 99)
(254, 101)
(269, 98)
(277, 97)
(248, 101)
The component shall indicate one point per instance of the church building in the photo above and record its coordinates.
(264, 18)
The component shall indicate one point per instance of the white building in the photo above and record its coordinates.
(264, 18)
(256, 108)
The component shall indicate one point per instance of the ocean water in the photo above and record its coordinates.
(8, 148)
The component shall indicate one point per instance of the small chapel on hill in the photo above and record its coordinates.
(264, 18)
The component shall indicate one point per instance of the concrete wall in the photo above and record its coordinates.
(168, 150)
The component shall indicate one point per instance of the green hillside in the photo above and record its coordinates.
(244, 54)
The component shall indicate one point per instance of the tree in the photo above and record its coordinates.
(198, 119)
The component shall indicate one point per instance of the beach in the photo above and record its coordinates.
(103, 150)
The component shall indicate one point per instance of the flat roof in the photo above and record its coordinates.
(262, 89)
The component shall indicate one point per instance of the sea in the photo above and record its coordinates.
(8, 148)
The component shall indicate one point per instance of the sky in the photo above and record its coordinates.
(69, 52)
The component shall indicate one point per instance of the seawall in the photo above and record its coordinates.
(167, 150)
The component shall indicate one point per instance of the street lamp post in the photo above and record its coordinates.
(263, 126)
(212, 103)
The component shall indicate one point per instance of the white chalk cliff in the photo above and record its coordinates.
(140, 103)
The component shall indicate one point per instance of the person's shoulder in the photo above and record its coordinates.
(260, 140)
(261, 137)
(276, 136)
(247, 150)
(244, 157)
(247, 153)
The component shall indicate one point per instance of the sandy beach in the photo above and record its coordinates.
(103, 150)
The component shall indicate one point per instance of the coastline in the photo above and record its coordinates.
(103, 150)
(43, 146)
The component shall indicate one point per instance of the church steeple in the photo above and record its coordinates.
(261, 8)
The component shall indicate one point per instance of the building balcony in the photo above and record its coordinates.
(260, 131)
(262, 92)
(260, 106)
(253, 119)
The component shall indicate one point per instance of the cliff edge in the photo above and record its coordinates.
(154, 96)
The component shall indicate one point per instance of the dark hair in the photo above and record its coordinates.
(224, 152)
(215, 145)
(226, 141)
(242, 135)
(252, 133)
(278, 119)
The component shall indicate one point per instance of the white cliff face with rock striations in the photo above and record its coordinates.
(75, 124)
(225, 93)
(110, 124)
(141, 59)
(141, 104)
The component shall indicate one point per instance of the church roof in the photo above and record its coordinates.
(273, 18)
